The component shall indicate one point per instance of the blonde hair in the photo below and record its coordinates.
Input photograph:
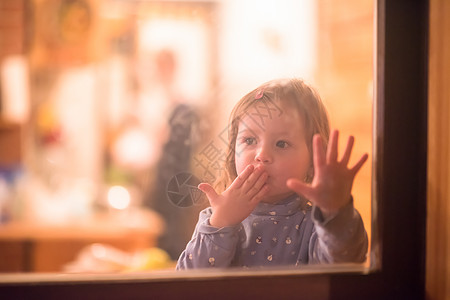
(280, 93)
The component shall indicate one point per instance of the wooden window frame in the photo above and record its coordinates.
(400, 139)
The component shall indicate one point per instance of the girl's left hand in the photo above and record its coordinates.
(332, 184)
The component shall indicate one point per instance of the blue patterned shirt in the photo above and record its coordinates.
(289, 233)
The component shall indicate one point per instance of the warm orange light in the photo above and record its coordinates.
(119, 197)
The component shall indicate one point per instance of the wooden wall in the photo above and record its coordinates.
(438, 227)
(12, 42)
(11, 27)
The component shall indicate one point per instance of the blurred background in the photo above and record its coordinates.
(111, 111)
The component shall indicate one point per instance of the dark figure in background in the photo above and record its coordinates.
(176, 157)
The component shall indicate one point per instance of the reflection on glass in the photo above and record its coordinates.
(120, 109)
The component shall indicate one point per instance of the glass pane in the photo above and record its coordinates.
(125, 110)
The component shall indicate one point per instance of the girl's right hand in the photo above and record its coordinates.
(237, 202)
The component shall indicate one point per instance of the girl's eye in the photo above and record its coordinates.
(282, 144)
(249, 141)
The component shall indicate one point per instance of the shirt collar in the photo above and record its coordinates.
(286, 207)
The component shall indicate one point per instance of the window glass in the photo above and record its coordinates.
(126, 99)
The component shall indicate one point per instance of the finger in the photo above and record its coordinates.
(258, 185)
(299, 187)
(249, 184)
(348, 150)
(260, 195)
(359, 164)
(318, 152)
(332, 149)
(209, 191)
(241, 178)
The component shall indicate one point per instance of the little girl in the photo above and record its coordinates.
(285, 198)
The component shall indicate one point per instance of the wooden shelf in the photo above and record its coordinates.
(29, 247)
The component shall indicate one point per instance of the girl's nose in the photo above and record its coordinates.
(263, 155)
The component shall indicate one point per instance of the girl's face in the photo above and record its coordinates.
(275, 141)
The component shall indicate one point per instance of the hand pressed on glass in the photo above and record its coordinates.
(235, 204)
(333, 179)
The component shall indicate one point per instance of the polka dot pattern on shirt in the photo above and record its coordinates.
(270, 236)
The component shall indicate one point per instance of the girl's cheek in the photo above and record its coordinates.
(242, 156)
(240, 165)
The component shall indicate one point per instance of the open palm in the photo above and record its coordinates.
(333, 179)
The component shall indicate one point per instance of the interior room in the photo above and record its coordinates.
(96, 191)
(88, 98)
